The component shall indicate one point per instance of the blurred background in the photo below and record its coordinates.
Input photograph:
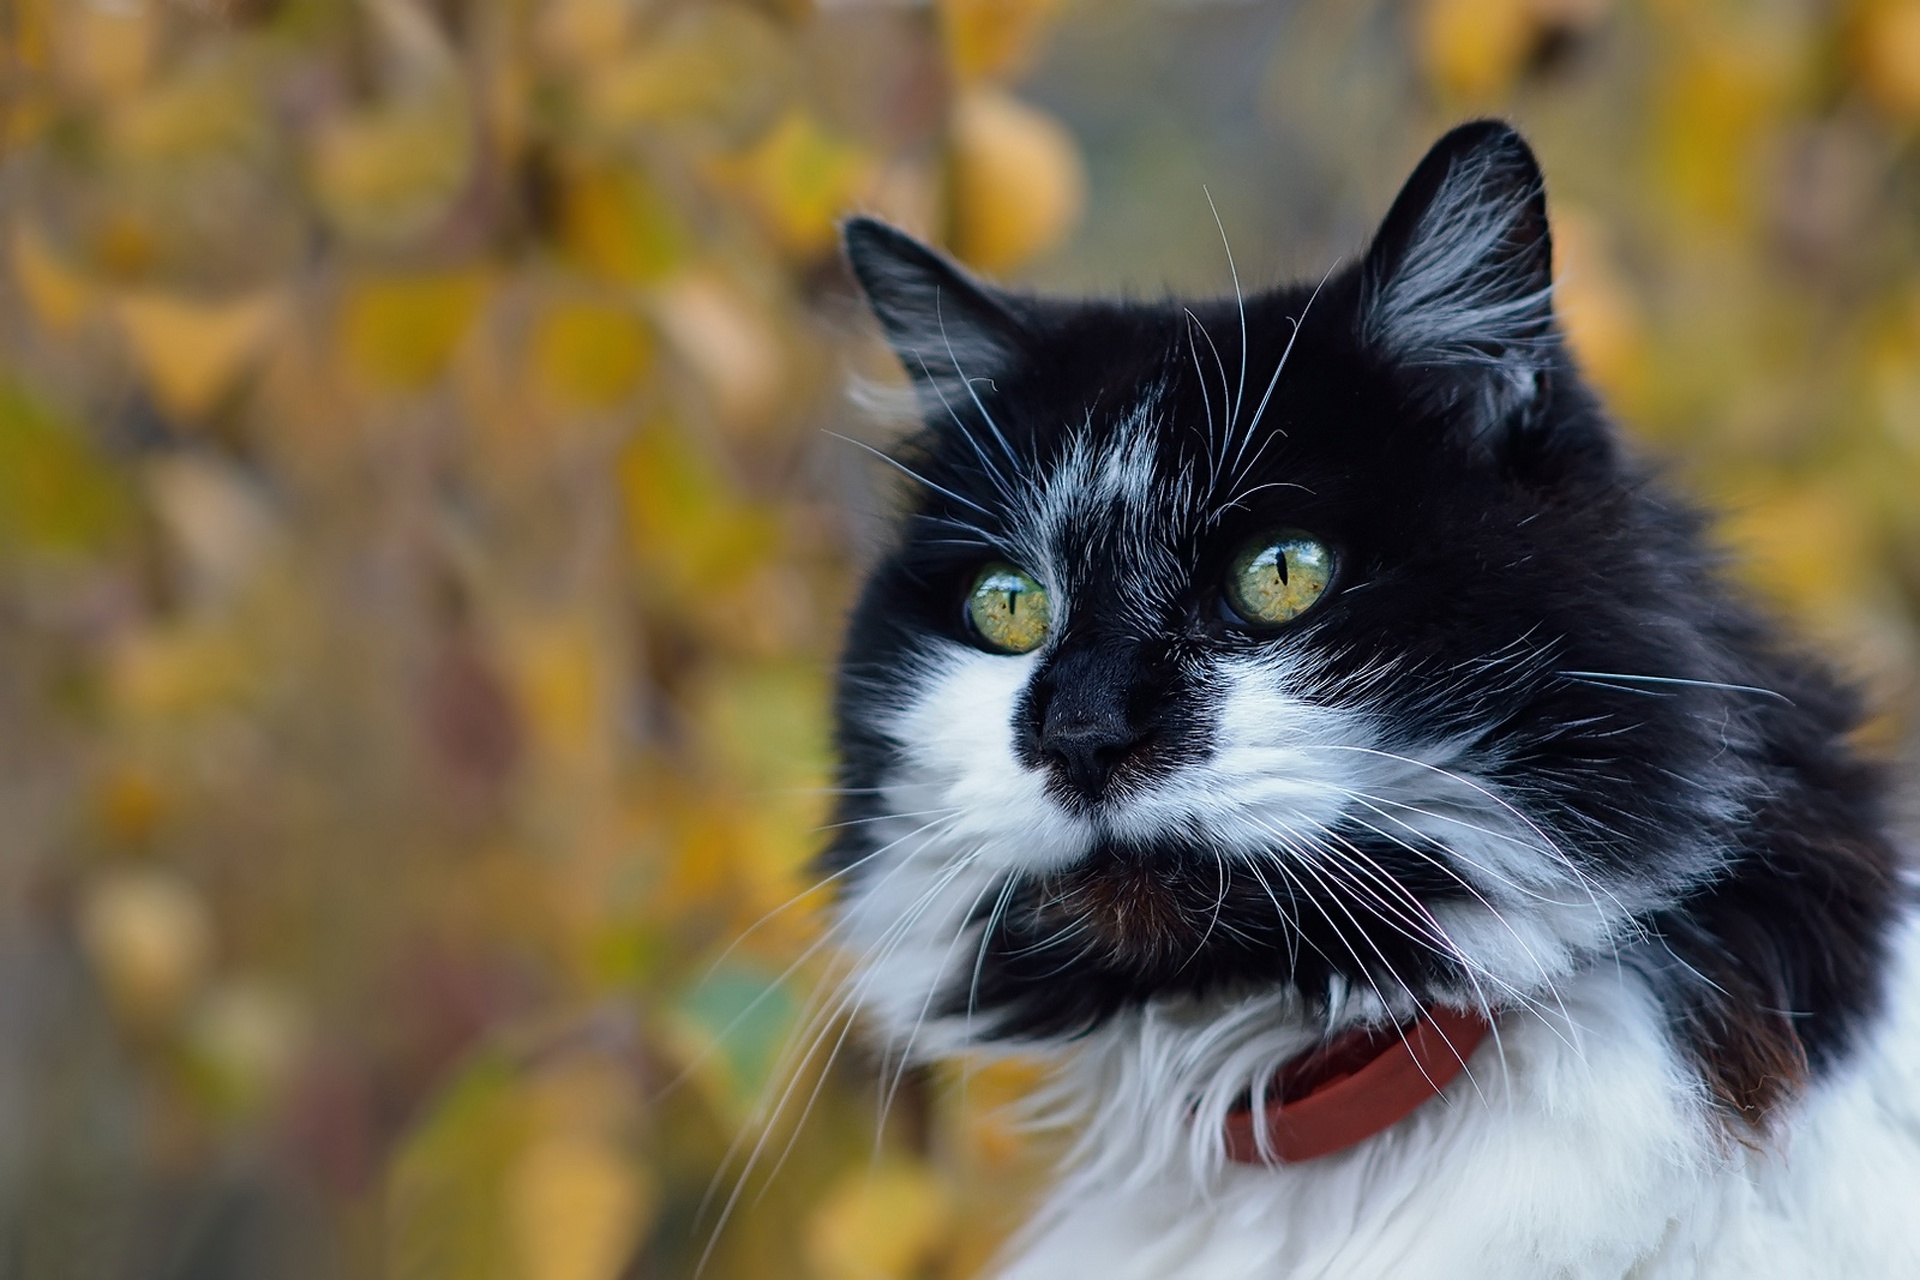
(422, 554)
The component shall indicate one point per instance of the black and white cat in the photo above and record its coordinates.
(1257, 685)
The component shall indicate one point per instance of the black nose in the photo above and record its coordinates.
(1085, 745)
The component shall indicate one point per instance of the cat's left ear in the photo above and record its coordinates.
(1457, 285)
(948, 328)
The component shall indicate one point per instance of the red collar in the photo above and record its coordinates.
(1359, 1083)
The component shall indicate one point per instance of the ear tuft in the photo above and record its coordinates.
(1460, 274)
(948, 328)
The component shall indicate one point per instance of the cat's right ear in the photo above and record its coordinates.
(1458, 284)
(951, 331)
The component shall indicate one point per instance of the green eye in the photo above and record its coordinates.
(1277, 577)
(1008, 609)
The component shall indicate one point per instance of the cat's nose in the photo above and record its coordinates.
(1084, 747)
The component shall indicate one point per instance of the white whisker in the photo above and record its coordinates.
(1606, 677)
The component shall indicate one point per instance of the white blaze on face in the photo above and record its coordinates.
(1266, 777)
(959, 753)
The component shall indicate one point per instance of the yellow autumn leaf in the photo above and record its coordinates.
(32, 34)
(564, 682)
(578, 1206)
(697, 546)
(1473, 49)
(1018, 185)
(696, 872)
(107, 47)
(578, 1202)
(581, 33)
(131, 805)
(58, 492)
(389, 172)
(148, 935)
(1714, 105)
(191, 351)
(883, 1223)
(616, 225)
(399, 332)
(989, 39)
(1807, 546)
(123, 246)
(720, 64)
(1595, 305)
(1886, 51)
(175, 670)
(726, 338)
(589, 355)
(58, 294)
(24, 123)
(1892, 370)
(203, 109)
(520, 1171)
(761, 722)
(802, 179)
(445, 1206)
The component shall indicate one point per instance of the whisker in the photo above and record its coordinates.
(1445, 947)
(1546, 975)
(1220, 367)
(869, 965)
(993, 472)
(1012, 458)
(883, 817)
(986, 941)
(1239, 302)
(906, 1049)
(1206, 397)
(1605, 677)
(807, 1042)
(1307, 864)
(687, 1070)
(1547, 842)
(1279, 368)
(911, 474)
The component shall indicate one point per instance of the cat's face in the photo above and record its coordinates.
(1288, 644)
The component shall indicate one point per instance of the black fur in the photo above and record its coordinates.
(1491, 536)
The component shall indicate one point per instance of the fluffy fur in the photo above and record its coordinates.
(1528, 755)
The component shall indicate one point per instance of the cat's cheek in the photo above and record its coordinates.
(965, 812)
(958, 732)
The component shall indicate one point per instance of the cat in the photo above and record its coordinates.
(1302, 721)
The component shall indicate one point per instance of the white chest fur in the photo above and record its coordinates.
(1579, 1150)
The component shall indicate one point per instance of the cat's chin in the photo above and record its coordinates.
(1167, 914)
(1132, 908)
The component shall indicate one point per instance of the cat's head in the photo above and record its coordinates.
(1319, 642)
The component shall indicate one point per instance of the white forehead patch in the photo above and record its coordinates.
(1110, 497)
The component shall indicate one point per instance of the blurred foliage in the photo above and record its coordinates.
(420, 556)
